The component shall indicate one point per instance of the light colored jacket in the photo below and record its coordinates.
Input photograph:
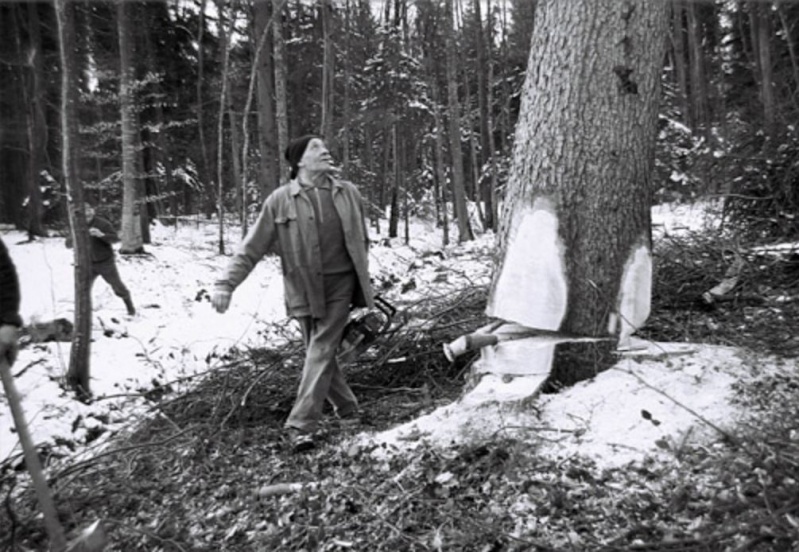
(286, 226)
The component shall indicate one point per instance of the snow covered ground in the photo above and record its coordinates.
(625, 413)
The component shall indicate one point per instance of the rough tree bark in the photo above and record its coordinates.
(575, 234)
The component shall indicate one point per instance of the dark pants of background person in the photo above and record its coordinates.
(108, 270)
(322, 378)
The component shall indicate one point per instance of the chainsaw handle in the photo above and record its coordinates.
(389, 309)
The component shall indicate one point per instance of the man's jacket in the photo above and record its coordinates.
(9, 289)
(286, 227)
(101, 248)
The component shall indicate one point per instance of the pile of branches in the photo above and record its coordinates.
(760, 311)
(177, 465)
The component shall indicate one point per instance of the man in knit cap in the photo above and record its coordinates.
(315, 223)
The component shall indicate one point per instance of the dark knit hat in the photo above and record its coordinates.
(295, 150)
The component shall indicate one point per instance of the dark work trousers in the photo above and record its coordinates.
(322, 378)
(108, 270)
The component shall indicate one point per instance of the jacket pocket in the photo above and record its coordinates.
(289, 238)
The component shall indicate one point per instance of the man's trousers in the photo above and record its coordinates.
(322, 378)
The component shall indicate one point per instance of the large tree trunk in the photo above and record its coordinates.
(575, 236)
(78, 372)
(268, 178)
(453, 106)
(131, 237)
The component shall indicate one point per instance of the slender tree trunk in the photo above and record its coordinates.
(268, 177)
(393, 220)
(458, 185)
(205, 168)
(678, 55)
(374, 217)
(441, 171)
(483, 76)
(238, 176)
(143, 186)
(131, 236)
(280, 87)
(786, 36)
(79, 354)
(575, 236)
(220, 129)
(482, 73)
(491, 208)
(761, 24)
(328, 69)
(37, 128)
(345, 151)
(699, 95)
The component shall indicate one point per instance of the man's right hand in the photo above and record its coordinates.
(9, 345)
(221, 300)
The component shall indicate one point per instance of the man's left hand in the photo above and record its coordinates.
(96, 232)
(9, 343)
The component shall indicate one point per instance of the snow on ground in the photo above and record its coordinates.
(642, 406)
(171, 336)
(651, 404)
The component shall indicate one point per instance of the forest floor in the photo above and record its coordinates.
(210, 470)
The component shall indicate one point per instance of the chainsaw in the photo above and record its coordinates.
(363, 329)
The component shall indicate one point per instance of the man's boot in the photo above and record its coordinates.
(129, 305)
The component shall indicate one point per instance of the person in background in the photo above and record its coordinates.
(10, 321)
(315, 223)
(102, 236)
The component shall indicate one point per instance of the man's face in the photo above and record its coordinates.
(316, 158)
(89, 213)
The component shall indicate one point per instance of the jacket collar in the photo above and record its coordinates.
(295, 187)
